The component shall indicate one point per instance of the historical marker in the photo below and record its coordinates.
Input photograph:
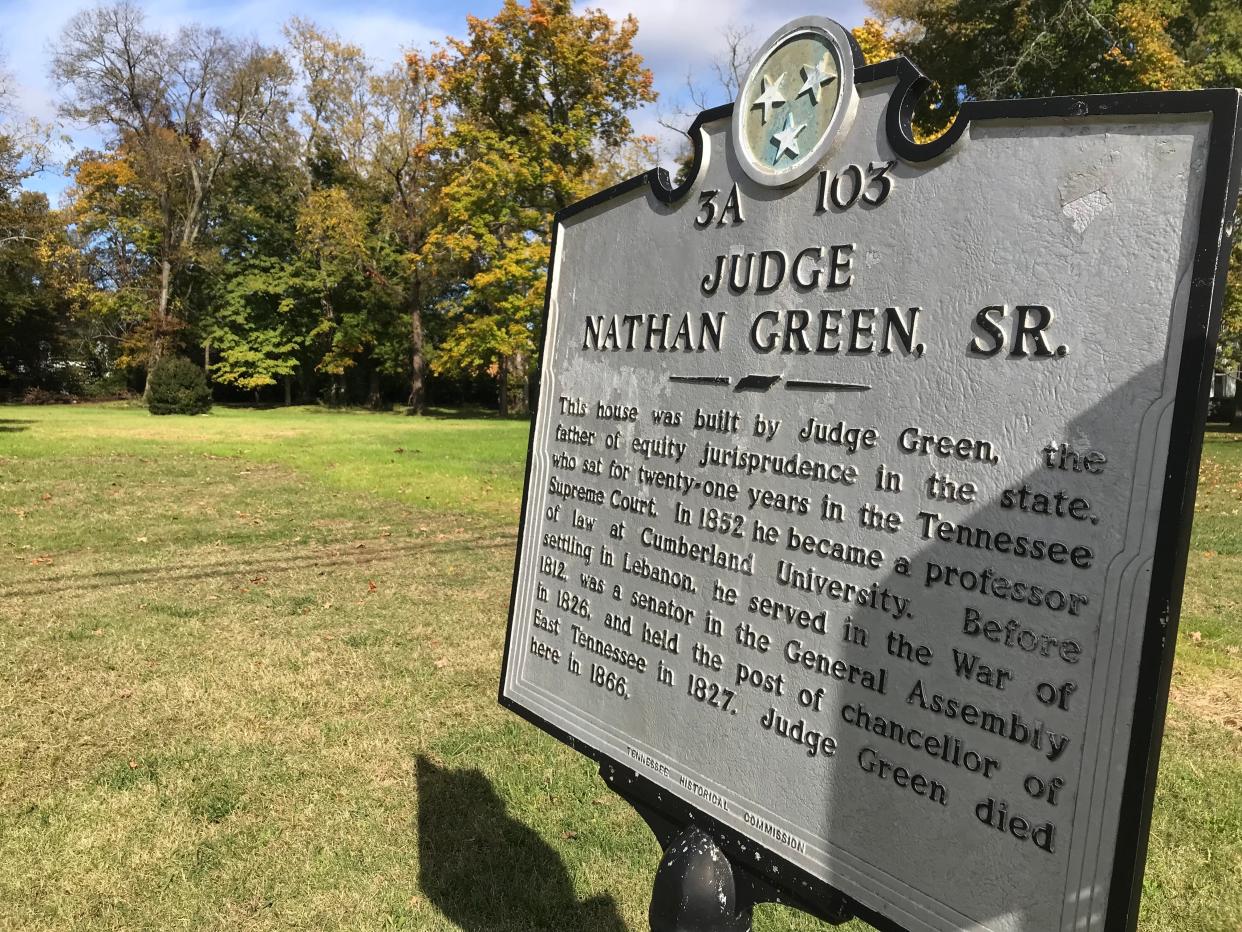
(861, 483)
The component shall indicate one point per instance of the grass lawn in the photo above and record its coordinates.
(248, 666)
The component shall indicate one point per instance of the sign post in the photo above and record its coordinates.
(860, 488)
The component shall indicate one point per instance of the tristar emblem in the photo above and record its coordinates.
(798, 97)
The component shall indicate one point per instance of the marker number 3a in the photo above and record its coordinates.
(709, 207)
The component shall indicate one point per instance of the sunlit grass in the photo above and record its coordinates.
(248, 667)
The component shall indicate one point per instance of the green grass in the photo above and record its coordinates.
(248, 666)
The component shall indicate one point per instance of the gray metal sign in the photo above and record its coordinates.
(861, 479)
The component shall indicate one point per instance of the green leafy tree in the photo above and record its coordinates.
(37, 337)
(35, 325)
(333, 230)
(257, 319)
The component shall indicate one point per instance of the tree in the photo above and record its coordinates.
(875, 41)
(989, 49)
(35, 324)
(402, 162)
(179, 108)
(366, 132)
(35, 328)
(105, 261)
(532, 99)
(258, 312)
(980, 49)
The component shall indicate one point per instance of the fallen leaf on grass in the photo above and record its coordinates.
(140, 540)
(371, 587)
(441, 664)
(259, 579)
(569, 835)
(133, 765)
(44, 560)
(1196, 636)
(46, 497)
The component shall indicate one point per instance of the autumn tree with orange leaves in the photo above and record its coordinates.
(532, 102)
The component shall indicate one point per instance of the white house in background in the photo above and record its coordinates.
(1224, 396)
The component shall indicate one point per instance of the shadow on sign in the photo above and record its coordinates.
(487, 872)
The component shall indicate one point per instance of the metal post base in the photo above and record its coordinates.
(694, 890)
(698, 889)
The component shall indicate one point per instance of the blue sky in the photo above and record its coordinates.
(674, 37)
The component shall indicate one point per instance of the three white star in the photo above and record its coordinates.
(770, 95)
(787, 139)
(814, 78)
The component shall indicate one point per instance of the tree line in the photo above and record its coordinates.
(308, 226)
(305, 224)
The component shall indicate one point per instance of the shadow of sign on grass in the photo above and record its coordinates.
(487, 872)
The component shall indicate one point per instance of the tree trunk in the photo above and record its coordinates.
(417, 392)
(504, 386)
(523, 374)
(159, 328)
(288, 390)
(375, 400)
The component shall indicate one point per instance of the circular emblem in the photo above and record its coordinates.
(797, 99)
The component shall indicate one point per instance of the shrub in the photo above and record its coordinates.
(178, 387)
(111, 387)
(41, 396)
